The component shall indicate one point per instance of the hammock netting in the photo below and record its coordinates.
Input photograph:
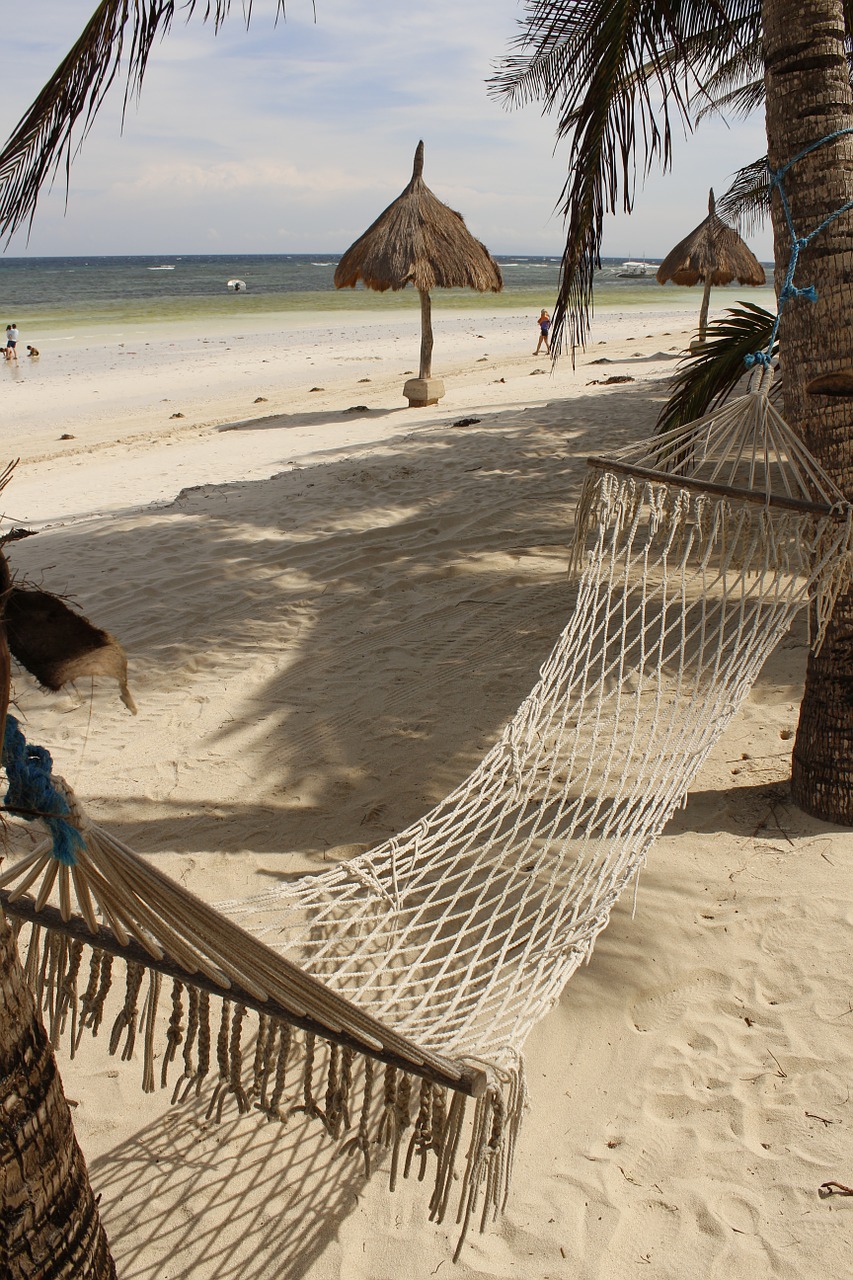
(437, 951)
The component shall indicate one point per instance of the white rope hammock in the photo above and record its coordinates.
(438, 951)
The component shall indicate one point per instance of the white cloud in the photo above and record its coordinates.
(310, 127)
(158, 178)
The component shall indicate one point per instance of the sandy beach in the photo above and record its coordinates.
(331, 605)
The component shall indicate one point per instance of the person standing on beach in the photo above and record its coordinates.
(11, 341)
(544, 323)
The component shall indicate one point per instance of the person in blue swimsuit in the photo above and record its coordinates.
(544, 323)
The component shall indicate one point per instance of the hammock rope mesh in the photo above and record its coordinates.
(695, 553)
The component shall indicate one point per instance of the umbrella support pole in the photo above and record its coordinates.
(424, 389)
(425, 370)
(698, 343)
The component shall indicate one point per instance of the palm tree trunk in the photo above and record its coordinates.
(808, 96)
(49, 1222)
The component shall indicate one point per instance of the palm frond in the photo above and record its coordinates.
(737, 84)
(741, 100)
(43, 141)
(618, 73)
(705, 379)
(747, 201)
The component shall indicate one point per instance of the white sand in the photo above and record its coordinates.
(329, 617)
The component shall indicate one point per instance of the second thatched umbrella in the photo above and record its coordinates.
(419, 241)
(714, 253)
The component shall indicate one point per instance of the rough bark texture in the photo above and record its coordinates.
(808, 97)
(49, 1223)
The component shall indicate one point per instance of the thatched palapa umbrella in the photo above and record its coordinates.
(419, 241)
(715, 253)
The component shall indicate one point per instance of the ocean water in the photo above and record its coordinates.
(109, 290)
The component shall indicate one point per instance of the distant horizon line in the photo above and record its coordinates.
(651, 261)
(289, 253)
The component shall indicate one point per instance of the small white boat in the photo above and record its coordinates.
(631, 269)
(239, 286)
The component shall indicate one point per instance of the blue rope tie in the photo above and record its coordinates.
(789, 290)
(813, 146)
(29, 769)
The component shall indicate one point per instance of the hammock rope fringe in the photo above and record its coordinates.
(438, 951)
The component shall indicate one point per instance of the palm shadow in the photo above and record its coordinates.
(366, 565)
(318, 418)
(380, 613)
(485, 614)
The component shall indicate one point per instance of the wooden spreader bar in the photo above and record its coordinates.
(454, 1075)
(718, 490)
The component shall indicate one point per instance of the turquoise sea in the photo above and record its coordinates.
(57, 292)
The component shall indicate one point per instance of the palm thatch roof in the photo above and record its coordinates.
(712, 251)
(418, 240)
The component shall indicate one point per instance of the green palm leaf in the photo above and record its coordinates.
(747, 200)
(618, 73)
(705, 379)
(42, 142)
(739, 100)
(736, 86)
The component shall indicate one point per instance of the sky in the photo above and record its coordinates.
(292, 137)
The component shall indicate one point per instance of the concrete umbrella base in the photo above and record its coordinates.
(423, 391)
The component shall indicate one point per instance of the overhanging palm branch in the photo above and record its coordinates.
(740, 100)
(747, 201)
(619, 74)
(705, 379)
(736, 87)
(43, 140)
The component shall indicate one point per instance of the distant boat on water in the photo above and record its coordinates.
(239, 286)
(631, 269)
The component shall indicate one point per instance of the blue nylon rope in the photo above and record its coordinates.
(789, 290)
(28, 769)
